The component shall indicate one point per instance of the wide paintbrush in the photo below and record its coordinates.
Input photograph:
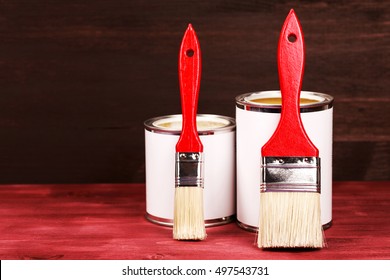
(290, 175)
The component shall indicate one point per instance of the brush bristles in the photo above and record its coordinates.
(290, 220)
(188, 221)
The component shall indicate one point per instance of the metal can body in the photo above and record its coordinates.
(217, 134)
(256, 122)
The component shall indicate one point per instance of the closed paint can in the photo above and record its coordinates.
(257, 116)
(217, 134)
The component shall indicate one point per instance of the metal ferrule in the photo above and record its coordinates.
(290, 174)
(189, 170)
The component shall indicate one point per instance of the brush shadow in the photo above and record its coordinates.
(188, 240)
(291, 250)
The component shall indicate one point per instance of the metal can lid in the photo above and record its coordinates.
(207, 124)
(269, 101)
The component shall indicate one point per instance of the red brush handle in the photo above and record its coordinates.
(189, 79)
(290, 138)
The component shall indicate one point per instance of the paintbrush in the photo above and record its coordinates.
(188, 221)
(290, 214)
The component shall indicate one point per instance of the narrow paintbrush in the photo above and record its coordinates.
(188, 221)
(290, 177)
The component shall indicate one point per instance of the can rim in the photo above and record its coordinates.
(230, 124)
(256, 228)
(325, 102)
(208, 222)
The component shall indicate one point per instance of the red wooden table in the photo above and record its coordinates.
(106, 221)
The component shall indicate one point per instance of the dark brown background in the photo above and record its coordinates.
(78, 78)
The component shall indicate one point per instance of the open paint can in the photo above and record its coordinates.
(257, 116)
(217, 134)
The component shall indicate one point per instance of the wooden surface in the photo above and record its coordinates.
(106, 221)
(79, 78)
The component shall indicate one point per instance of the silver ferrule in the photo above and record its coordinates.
(189, 170)
(290, 174)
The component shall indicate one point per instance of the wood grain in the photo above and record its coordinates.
(79, 78)
(106, 221)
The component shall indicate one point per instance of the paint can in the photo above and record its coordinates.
(257, 116)
(217, 134)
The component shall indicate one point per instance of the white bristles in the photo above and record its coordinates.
(188, 221)
(290, 220)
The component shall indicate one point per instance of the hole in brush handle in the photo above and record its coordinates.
(190, 53)
(292, 38)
